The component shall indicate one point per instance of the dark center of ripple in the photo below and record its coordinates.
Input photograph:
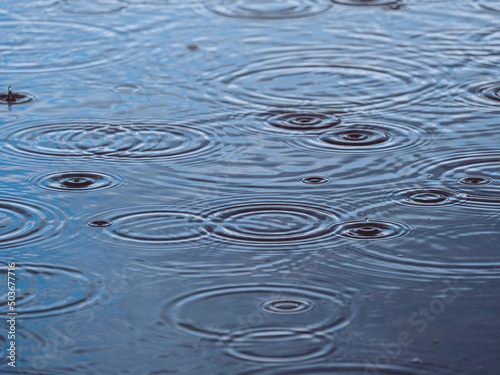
(267, 9)
(123, 141)
(271, 222)
(286, 306)
(100, 223)
(213, 313)
(303, 121)
(355, 137)
(78, 181)
(366, 230)
(315, 180)
(475, 180)
(363, 137)
(426, 196)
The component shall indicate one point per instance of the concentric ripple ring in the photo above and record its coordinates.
(110, 141)
(271, 222)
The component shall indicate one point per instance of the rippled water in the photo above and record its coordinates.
(251, 186)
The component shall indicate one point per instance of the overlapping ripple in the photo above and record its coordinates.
(326, 78)
(110, 141)
(46, 290)
(266, 9)
(271, 222)
(23, 222)
(47, 46)
(473, 175)
(365, 137)
(267, 323)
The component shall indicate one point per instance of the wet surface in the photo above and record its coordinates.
(251, 186)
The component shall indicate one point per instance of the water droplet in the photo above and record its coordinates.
(78, 181)
(12, 98)
(99, 224)
(426, 197)
(287, 306)
(315, 180)
(303, 121)
(475, 180)
(363, 230)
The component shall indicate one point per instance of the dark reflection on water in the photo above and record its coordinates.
(251, 186)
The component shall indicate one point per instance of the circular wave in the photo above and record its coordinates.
(267, 9)
(77, 181)
(45, 290)
(344, 369)
(364, 138)
(110, 141)
(425, 197)
(22, 223)
(156, 226)
(303, 121)
(473, 175)
(315, 180)
(278, 345)
(126, 88)
(218, 312)
(93, 7)
(36, 46)
(271, 222)
(370, 230)
(324, 78)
